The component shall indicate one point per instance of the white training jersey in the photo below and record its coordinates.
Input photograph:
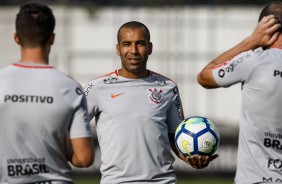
(260, 137)
(38, 106)
(133, 118)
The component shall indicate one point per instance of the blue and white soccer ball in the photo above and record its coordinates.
(197, 136)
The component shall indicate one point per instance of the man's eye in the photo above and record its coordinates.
(141, 43)
(125, 44)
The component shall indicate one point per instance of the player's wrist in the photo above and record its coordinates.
(250, 43)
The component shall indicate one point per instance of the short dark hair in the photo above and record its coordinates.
(273, 8)
(35, 23)
(134, 25)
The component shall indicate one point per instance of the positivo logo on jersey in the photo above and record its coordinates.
(28, 99)
(277, 73)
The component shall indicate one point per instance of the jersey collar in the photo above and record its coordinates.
(117, 74)
(31, 65)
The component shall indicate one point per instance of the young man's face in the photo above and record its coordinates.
(133, 49)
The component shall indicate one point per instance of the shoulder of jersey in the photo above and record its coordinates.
(55, 75)
(161, 79)
(247, 55)
(253, 53)
(112, 78)
(106, 79)
(67, 79)
(102, 80)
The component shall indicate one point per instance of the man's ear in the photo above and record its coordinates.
(17, 39)
(52, 39)
(117, 49)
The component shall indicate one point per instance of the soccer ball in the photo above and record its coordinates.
(197, 136)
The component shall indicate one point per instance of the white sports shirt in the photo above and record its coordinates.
(260, 137)
(134, 117)
(38, 105)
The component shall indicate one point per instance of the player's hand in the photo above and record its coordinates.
(266, 32)
(200, 162)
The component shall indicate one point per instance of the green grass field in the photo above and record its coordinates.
(181, 181)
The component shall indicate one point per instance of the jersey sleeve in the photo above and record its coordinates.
(80, 126)
(92, 100)
(235, 70)
(175, 112)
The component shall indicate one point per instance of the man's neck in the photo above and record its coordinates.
(35, 55)
(277, 43)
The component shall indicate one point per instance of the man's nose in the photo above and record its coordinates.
(134, 49)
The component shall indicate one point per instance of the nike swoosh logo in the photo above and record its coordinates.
(116, 95)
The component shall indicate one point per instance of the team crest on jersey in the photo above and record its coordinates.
(110, 80)
(156, 96)
(159, 82)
